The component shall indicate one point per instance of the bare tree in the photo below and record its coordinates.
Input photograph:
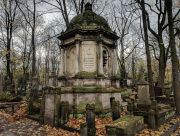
(146, 40)
(123, 18)
(174, 58)
(8, 17)
(158, 33)
(61, 5)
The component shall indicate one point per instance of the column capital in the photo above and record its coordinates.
(99, 38)
(78, 37)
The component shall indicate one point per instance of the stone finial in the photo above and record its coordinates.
(88, 6)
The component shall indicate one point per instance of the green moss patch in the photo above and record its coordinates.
(88, 18)
(81, 107)
(84, 74)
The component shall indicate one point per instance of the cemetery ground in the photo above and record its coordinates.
(19, 125)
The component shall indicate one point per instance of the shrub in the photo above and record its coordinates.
(6, 96)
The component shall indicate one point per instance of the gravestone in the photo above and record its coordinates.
(64, 112)
(151, 119)
(127, 125)
(143, 93)
(90, 120)
(88, 128)
(49, 109)
(115, 110)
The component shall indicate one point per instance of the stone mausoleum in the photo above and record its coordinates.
(88, 52)
(89, 66)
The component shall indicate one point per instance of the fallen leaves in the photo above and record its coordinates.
(51, 131)
(100, 124)
(19, 125)
(162, 129)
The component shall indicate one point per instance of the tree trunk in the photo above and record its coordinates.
(123, 68)
(33, 42)
(148, 56)
(174, 58)
(162, 65)
(133, 69)
(8, 60)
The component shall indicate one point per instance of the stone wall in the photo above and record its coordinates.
(103, 82)
(81, 99)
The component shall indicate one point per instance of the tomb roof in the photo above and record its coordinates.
(88, 19)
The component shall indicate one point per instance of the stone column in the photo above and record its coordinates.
(61, 71)
(64, 68)
(100, 58)
(100, 55)
(115, 65)
(77, 42)
(77, 56)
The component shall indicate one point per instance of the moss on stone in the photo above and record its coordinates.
(93, 88)
(84, 74)
(88, 18)
(81, 107)
(125, 94)
(61, 77)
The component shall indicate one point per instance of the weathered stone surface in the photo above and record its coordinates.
(83, 129)
(49, 109)
(125, 126)
(90, 120)
(101, 100)
(70, 61)
(88, 58)
(163, 115)
(143, 94)
(115, 110)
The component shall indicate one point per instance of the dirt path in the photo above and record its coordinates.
(28, 127)
(24, 127)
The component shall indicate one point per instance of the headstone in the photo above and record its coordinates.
(115, 110)
(130, 107)
(143, 93)
(90, 120)
(83, 129)
(127, 125)
(49, 109)
(151, 119)
(64, 112)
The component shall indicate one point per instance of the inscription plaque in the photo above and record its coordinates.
(89, 59)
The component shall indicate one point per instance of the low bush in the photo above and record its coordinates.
(6, 96)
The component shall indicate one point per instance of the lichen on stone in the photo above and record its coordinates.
(88, 18)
